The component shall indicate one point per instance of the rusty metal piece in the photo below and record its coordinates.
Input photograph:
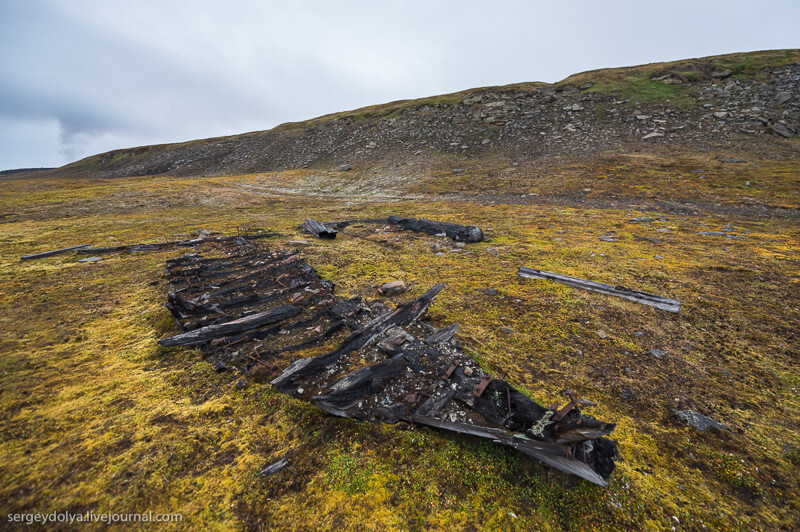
(451, 369)
(481, 386)
(574, 402)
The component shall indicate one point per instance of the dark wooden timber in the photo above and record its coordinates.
(319, 230)
(663, 303)
(54, 252)
(139, 248)
(459, 233)
(247, 323)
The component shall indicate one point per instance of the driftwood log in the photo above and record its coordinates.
(139, 248)
(319, 230)
(663, 303)
(459, 233)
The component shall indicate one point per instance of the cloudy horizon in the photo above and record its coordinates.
(87, 76)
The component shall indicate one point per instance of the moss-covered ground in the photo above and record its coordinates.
(96, 416)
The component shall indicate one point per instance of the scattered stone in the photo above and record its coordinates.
(721, 74)
(297, 243)
(460, 244)
(643, 117)
(780, 99)
(392, 288)
(345, 168)
(491, 292)
(638, 333)
(698, 421)
(711, 233)
(458, 170)
(507, 330)
(721, 114)
(203, 233)
(219, 366)
(435, 247)
(241, 384)
(627, 393)
(653, 135)
(658, 353)
(576, 107)
(609, 238)
(485, 142)
(90, 259)
(602, 334)
(587, 85)
(732, 160)
(782, 130)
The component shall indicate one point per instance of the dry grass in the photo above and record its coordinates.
(95, 416)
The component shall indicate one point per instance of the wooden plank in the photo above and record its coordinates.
(55, 252)
(663, 303)
(319, 230)
(138, 248)
(402, 315)
(247, 323)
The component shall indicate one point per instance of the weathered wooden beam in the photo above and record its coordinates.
(402, 315)
(54, 252)
(319, 230)
(663, 303)
(138, 248)
(459, 233)
(247, 323)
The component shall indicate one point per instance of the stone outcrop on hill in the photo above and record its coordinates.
(528, 121)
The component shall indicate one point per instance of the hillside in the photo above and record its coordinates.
(678, 179)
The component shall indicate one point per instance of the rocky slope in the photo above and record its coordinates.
(750, 100)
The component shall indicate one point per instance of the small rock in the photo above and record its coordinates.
(345, 168)
(458, 170)
(721, 114)
(698, 421)
(439, 254)
(721, 74)
(658, 353)
(297, 243)
(392, 288)
(203, 233)
(609, 238)
(587, 85)
(491, 292)
(782, 130)
(241, 384)
(90, 259)
(781, 98)
(602, 334)
(653, 135)
(711, 233)
(638, 333)
(485, 142)
(435, 246)
(468, 371)
(507, 330)
(218, 365)
(460, 244)
(643, 117)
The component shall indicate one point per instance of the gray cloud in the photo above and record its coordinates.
(86, 76)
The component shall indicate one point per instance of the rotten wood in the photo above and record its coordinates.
(54, 252)
(139, 248)
(247, 323)
(663, 303)
(319, 230)
(459, 233)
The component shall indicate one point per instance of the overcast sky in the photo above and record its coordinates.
(79, 77)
